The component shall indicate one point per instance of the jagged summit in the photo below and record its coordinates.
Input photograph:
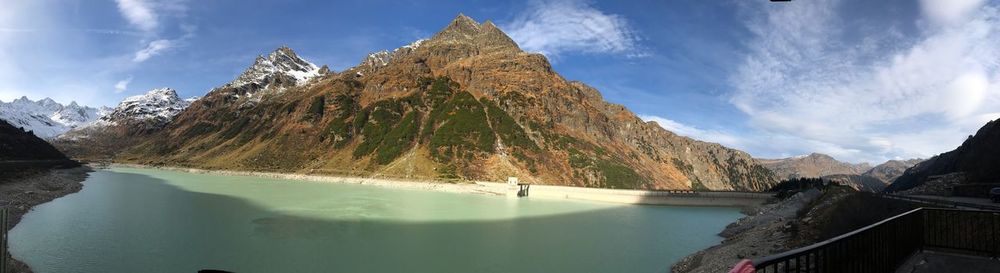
(156, 107)
(463, 37)
(486, 36)
(461, 28)
(281, 67)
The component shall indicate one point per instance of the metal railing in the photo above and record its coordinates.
(884, 246)
(940, 202)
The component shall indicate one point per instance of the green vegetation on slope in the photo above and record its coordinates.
(380, 118)
(338, 128)
(399, 139)
(462, 131)
(316, 108)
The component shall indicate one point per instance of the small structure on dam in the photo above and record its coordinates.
(522, 189)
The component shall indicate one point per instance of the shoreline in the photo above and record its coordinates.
(619, 196)
(22, 192)
(475, 187)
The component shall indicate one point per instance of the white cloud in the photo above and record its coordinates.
(553, 27)
(139, 13)
(122, 85)
(948, 11)
(154, 48)
(890, 97)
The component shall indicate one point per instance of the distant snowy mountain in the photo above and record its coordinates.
(47, 118)
(156, 107)
(282, 67)
(127, 123)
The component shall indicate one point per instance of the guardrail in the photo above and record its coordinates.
(940, 202)
(884, 246)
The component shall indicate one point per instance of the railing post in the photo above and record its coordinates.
(996, 235)
(922, 220)
(3, 244)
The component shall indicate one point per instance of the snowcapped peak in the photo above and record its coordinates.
(282, 66)
(159, 94)
(158, 105)
(378, 59)
(413, 45)
(382, 58)
(46, 118)
(47, 102)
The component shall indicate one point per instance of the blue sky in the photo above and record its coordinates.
(859, 80)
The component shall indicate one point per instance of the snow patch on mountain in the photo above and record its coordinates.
(158, 105)
(281, 62)
(382, 58)
(47, 118)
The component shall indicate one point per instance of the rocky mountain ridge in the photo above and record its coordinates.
(858, 176)
(131, 120)
(812, 165)
(281, 68)
(975, 161)
(17, 144)
(892, 169)
(156, 107)
(466, 103)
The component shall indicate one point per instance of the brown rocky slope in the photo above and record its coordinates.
(812, 165)
(466, 104)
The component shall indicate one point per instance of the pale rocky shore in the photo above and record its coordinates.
(475, 187)
(764, 231)
(25, 189)
(618, 196)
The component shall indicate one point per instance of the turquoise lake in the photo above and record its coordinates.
(143, 220)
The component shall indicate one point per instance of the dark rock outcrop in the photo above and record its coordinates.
(978, 158)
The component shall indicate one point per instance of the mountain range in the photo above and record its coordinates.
(860, 176)
(467, 103)
(122, 126)
(47, 118)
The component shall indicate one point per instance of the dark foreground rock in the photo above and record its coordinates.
(761, 233)
(22, 190)
(803, 219)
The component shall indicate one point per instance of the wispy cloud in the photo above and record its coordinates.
(154, 48)
(805, 79)
(148, 16)
(122, 85)
(553, 27)
(139, 13)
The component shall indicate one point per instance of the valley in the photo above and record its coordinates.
(554, 136)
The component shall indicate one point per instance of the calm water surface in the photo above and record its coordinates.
(139, 220)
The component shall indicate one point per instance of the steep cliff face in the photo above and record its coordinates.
(976, 161)
(466, 103)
